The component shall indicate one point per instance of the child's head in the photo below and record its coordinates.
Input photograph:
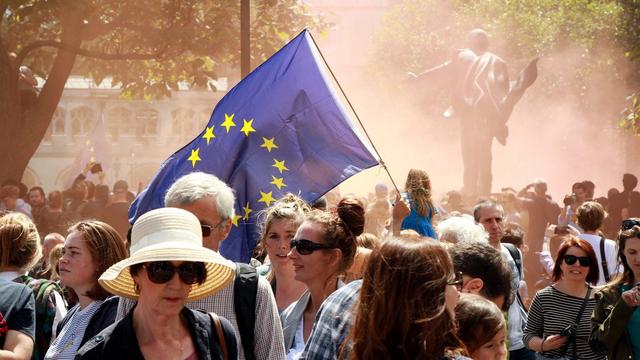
(481, 327)
(514, 234)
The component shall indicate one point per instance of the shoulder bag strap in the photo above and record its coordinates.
(603, 260)
(584, 305)
(218, 326)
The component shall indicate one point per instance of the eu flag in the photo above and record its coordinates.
(281, 129)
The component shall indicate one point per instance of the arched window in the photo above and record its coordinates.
(118, 123)
(183, 124)
(82, 119)
(146, 123)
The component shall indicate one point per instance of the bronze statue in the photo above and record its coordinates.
(483, 98)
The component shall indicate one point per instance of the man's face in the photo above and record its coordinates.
(35, 198)
(491, 220)
(206, 212)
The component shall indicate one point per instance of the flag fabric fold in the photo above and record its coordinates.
(281, 129)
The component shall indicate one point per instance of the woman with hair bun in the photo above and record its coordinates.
(323, 248)
(418, 195)
(279, 224)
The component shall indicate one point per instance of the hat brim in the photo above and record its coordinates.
(118, 281)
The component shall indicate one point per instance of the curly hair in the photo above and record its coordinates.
(418, 185)
(402, 313)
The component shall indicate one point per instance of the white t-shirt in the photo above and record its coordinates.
(298, 342)
(610, 253)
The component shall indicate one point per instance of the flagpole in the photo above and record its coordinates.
(366, 133)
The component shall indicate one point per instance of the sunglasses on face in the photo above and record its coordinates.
(456, 280)
(628, 224)
(306, 247)
(160, 272)
(208, 229)
(584, 261)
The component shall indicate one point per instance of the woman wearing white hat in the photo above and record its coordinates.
(168, 267)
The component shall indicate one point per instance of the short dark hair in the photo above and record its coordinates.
(481, 260)
(573, 241)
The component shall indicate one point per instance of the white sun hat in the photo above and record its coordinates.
(168, 234)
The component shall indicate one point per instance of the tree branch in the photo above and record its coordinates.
(87, 53)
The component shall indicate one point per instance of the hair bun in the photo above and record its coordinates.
(351, 211)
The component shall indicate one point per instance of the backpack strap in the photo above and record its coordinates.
(245, 291)
(515, 254)
(603, 260)
(220, 333)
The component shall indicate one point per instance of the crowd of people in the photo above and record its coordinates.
(395, 275)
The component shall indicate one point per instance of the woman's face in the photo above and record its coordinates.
(495, 349)
(574, 271)
(632, 254)
(278, 241)
(318, 265)
(77, 268)
(166, 299)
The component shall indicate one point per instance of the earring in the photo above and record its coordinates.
(136, 288)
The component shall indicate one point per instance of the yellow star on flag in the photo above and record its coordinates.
(235, 220)
(269, 144)
(247, 128)
(266, 198)
(228, 122)
(247, 211)
(278, 182)
(279, 165)
(208, 134)
(195, 157)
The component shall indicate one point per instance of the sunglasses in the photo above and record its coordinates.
(208, 229)
(456, 280)
(160, 272)
(585, 261)
(306, 247)
(628, 224)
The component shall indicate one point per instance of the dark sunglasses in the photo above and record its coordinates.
(628, 224)
(456, 280)
(585, 261)
(208, 229)
(160, 272)
(306, 247)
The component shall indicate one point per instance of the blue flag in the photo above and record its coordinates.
(281, 129)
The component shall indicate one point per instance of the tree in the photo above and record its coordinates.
(146, 47)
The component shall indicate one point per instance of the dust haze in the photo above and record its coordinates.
(550, 135)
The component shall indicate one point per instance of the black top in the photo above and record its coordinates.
(17, 310)
(118, 341)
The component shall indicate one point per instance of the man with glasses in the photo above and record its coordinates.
(259, 332)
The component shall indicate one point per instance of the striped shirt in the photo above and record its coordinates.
(551, 311)
(67, 343)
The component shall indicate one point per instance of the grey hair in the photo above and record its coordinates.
(198, 185)
(486, 204)
(461, 228)
(540, 181)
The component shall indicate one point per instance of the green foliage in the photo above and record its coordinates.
(185, 41)
(631, 115)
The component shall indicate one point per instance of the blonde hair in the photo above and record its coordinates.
(52, 264)
(289, 207)
(418, 185)
(19, 242)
